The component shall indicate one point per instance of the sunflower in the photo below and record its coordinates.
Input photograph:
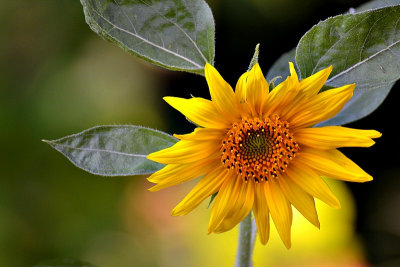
(258, 151)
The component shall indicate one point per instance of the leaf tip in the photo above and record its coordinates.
(254, 60)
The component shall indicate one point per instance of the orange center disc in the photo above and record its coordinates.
(258, 149)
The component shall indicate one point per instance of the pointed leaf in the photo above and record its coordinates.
(174, 34)
(118, 150)
(364, 48)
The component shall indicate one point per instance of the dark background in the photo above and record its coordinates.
(58, 78)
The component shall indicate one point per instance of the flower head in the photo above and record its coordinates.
(256, 149)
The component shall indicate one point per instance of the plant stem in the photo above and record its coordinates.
(246, 243)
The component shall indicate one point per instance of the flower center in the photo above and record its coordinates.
(258, 149)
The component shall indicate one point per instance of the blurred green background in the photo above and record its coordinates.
(58, 78)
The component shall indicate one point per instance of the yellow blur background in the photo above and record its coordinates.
(58, 78)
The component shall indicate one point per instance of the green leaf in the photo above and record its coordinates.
(254, 59)
(281, 67)
(174, 34)
(118, 150)
(364, 48)
(376, 4)
(64, 263)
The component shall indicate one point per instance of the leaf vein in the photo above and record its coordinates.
(339, 39)
(100, 150)
(362, 62)
(147, 41)
(180, 28)
(124, 13)
(367, 35)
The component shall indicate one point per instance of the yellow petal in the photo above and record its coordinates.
(280, 209)
(313, 84)
(310, 182)
(283, 94)
(224, 201)
(333, 164)
(240, 89)
(321, 107)
(200, 111)
(186, 152)
(207, 186)
(174, 174)
(240, 209)
(241, 95)
(308, 88)
(261, 212)
(301, 200)
(202, 134)
(221, 92)
(292, 71)
(257, 89)
(330, 137)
